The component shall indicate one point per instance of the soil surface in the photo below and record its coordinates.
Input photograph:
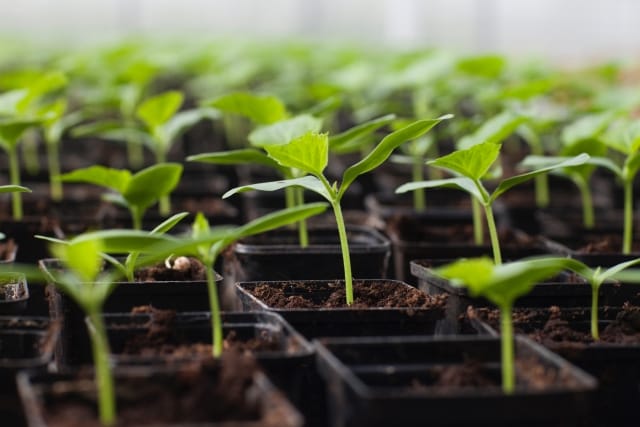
(182, 269)
(213, 391)
(556, 328)
(379, 294)
(164, 339)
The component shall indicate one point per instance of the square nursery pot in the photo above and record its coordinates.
(14, 294)
(277, 255)
(448, 381)
(613, 360)
(174, 294)
(316, 308)
(564, 290)
(25, 343)
(211, 394)
(165, 338)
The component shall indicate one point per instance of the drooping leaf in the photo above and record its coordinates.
(236, 157)
(284, 131)
(279, 218)
(115, 179)
(308, 152)
(508, 183)
(463, 183)
(157, 110)
(309, 182)
(384, 149)
(494, 130)
(261, 109)
(473, 162)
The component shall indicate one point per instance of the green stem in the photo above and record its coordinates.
(214, 306)
(164, 204)
(14, 176)
(290, 200)
(493, 234)
(478, 230)
(506, 344)
(303, 234)
(419, 201)
(594, 312)
(30, 151)
(541, 185)
(344, 246)
(103, 376)
(53, 160)
(628, 217)
(136, 217)
(135, 150)
(588, 217)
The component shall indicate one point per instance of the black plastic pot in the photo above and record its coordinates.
(382, 382)
(179, 296)
(614, 365)
(25, 343)
(14, 294)
(277, 255)
(40, 392)
(340, 322)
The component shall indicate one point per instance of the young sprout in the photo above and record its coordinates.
(471, 165)
(136, 192)
(310, 154)
(582, 136)
(206, 243)
(502, 285)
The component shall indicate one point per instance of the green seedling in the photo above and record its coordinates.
(471, 166)
(502, 285)
(310, 154)
(136, 192)
(206, 243)
(581, 136)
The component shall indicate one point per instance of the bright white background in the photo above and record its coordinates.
(570, 31)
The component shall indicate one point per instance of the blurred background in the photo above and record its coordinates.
(572, 32)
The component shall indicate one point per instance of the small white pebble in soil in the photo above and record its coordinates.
(182, 263)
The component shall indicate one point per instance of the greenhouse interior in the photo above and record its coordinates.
(323, 213)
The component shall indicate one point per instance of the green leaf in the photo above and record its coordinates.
(463, 183)
(309, 153)
(14, 189)
(115, 179)
(260, 109)
(488, 66)
(325, 107)
(82, 257)
(236, 157)
(122, 241)
(527, 89)
(150, 184)
(611, 272)
(157, 110)
(284, 131)
(384, 149)
(606, 163)
(279, 218)
(472, 162)
(474, 273)
(10, 100)
(494, 130)
(587, 127)
(309, 182)
(508, 183)
(367, 128)
(631, 165)
(11, 130)
(169, 223)
(184, 120)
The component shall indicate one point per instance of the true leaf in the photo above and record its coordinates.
(115, 179)
(494, 130)
(336, 141)
(260, 109)
(309, 153)
(587, 127)
(284, 131)
(157, 110)
(473, 162)
(148, 185)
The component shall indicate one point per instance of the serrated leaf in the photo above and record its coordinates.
(384, 149)
(261, 109)
(461, 183)
(309, 182)
(473, 162)
(367, 128)
(511, 182)
(157, 110)
(284, 131)
(494, 130)
(309, 153)
(115, 179)
(152, 183)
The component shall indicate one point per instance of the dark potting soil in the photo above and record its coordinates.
(373, 294)
(7, 250)
(213, 390)
(611, 243)
(163, 339)
(557, 330)
(182, 269)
